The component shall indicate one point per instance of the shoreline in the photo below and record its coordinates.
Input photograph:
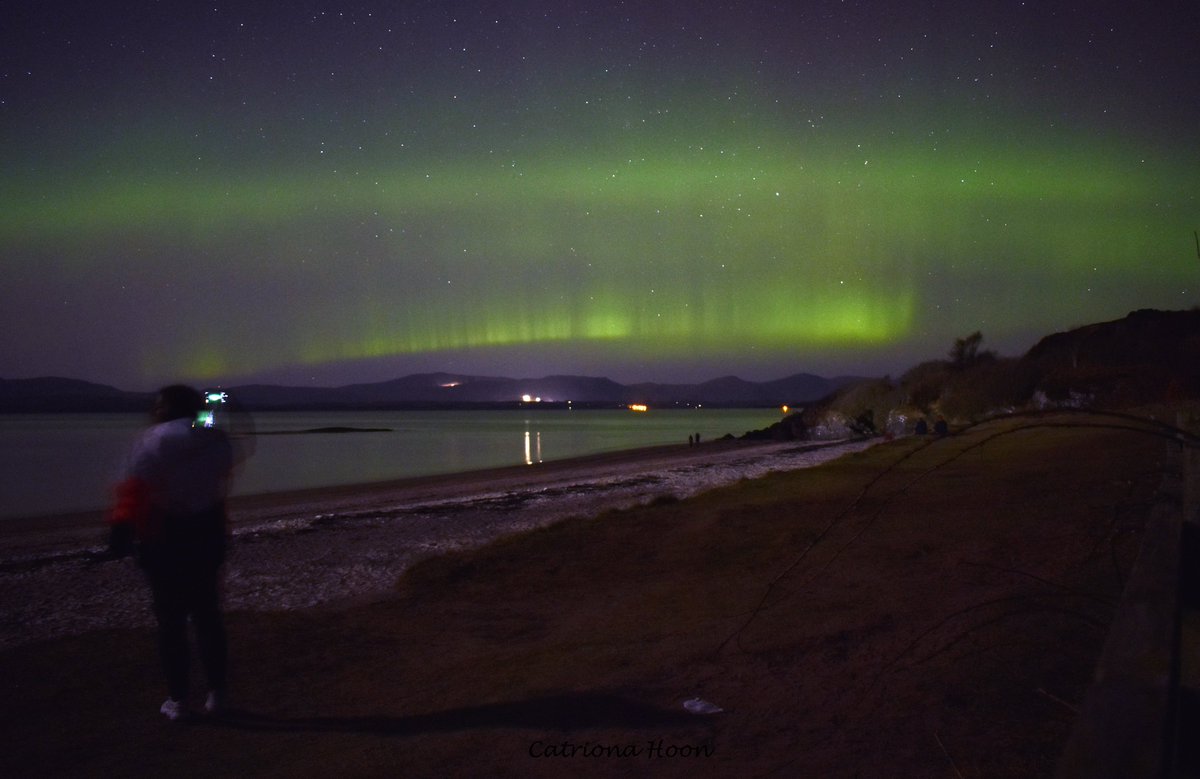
(42, 529)
(920, 607)
(465, 485)
(348, 544)
(64, 526)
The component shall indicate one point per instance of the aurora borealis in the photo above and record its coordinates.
(342, 192)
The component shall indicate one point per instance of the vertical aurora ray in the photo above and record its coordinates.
(749, 182)
(771, 247)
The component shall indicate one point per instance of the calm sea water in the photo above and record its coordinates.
(56, 463)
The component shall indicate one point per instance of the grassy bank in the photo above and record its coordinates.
(919, 609)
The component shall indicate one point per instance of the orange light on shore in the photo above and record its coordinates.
(638, 407)
(785, 409)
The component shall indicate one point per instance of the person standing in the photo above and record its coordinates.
(169, 510)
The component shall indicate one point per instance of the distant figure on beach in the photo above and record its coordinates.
(697, 438)
(940, 428)
(922, 427)
(691, 441)
(169, 509)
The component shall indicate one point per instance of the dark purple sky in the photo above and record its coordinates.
(329, 193)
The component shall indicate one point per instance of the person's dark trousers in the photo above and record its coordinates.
(183, 569)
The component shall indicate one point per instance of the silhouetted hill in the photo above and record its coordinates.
(451, 390)
(52, 394)
(730, 390)
(430, 390)
(1147, 338)
(433, 389)
(1147, 357)
(275, 396)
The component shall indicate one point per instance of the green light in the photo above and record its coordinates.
(672, 249)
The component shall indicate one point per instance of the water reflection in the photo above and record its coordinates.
(67, 462)
(533, 447)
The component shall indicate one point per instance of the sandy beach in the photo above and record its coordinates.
(924, 607)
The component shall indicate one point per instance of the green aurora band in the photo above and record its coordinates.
(651, 250)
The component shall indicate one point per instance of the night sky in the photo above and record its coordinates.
(321, 192)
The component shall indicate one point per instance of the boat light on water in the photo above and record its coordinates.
(638, 407)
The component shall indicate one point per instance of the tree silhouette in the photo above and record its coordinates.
(966, 351)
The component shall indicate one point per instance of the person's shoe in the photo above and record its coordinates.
(215, 704)
(173, 710)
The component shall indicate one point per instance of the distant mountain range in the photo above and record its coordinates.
(1142, 357)
(433, 390)
(52, 394)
